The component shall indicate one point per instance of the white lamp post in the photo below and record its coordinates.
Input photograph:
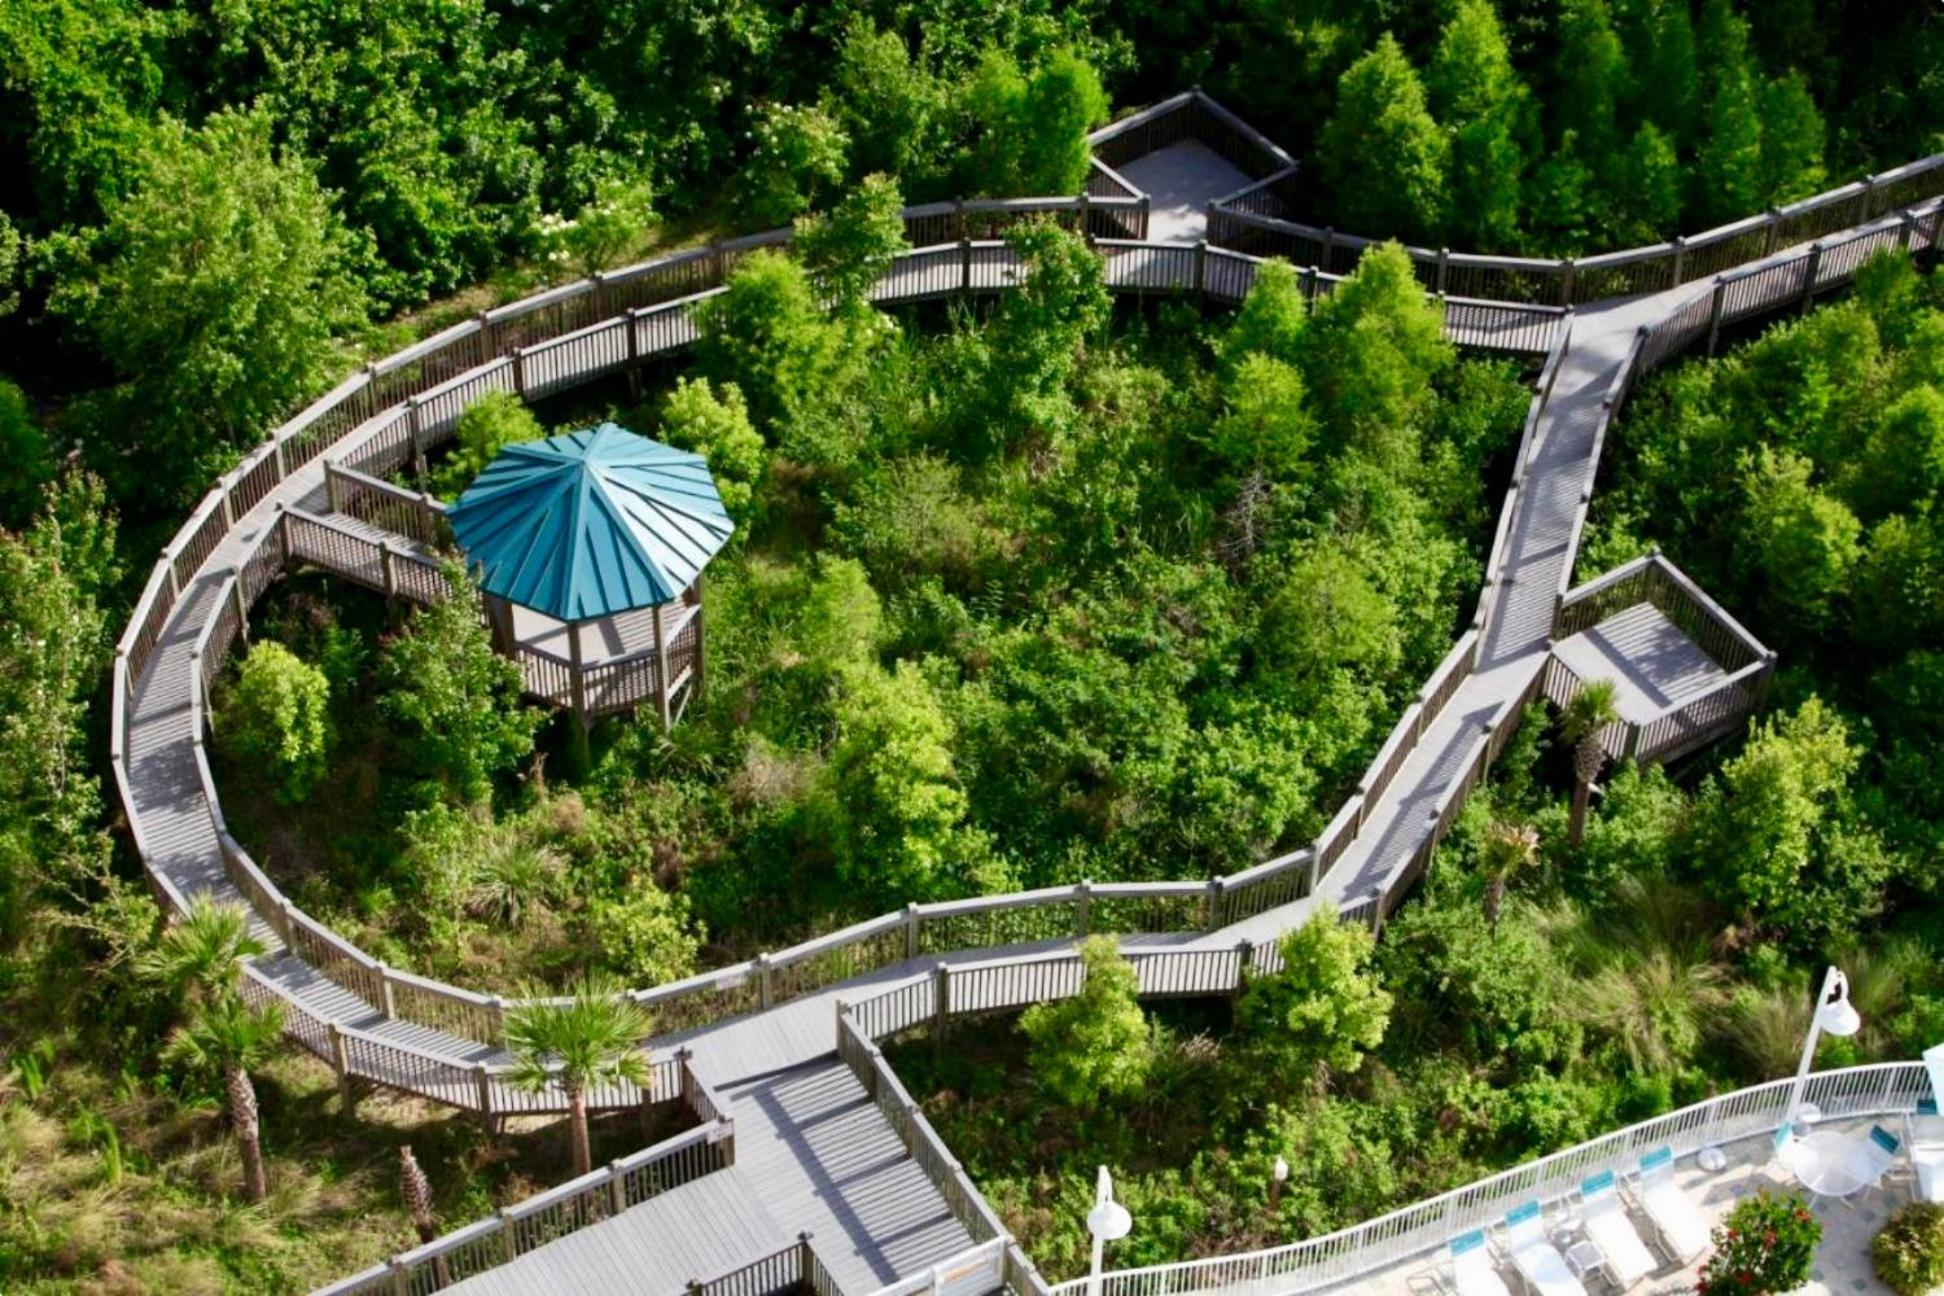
(1834, 1014)
(1108, 1221)
(1278, 1176)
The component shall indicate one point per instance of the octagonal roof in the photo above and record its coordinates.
(590, 523)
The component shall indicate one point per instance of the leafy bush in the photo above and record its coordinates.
(456, 701)
(1098, 1043)
(1325, 1009)
(277, 718)
(715, 424)
(1765, 1246)
(488, 425)
(1909, 1250)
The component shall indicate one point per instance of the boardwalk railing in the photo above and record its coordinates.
(546, 1217)
(1255, 220)
(1858, 1092)
(1192, 115)
(511, 349)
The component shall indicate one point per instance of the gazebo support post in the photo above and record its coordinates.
(695, 679)
(583, 758)
(661, 662)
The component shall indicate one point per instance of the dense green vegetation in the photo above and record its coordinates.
(1016, 598)
(1539, 990)
(1014, 601)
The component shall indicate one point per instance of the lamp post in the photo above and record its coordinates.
(1834, 1014)
(1278, 1176)
(1108, 1221)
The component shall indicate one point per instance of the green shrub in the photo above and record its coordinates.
(277, 719)
(1098, 1043)
(1909, 1250)
(488, 425)
(1766, 1245)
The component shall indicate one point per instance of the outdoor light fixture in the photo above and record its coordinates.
(1834, 1014)
(1278, 1176)
(1108, 1221)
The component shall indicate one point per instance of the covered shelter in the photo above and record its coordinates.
(588, 550)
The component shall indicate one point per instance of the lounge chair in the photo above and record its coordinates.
(1877, 1156)
(1783, 1148)
(1542, 1270)
(1677, 1224)
(1473, 1272)
(1623, 1255)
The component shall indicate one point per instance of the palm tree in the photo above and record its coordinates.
(227, 1035)
(591, 1037)
(1591, 710)
(1508, 848)
(197, 957)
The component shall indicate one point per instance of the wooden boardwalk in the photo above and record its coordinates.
(1653, 666)
(1180, 181)
(815, 1152)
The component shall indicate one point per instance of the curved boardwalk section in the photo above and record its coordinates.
(804, 1130)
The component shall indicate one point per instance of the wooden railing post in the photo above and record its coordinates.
(333, 489)
(1212, 905)
(1714, 315)
(941, 1002)
(805, 1260)
(765, 983)
(1774, 230)
(1083, 907)
(242, 605)
(1201, 268)
(1329, 246)
(965, 263)
(341, 1063)
(1680, 260)
(519, 372)
(386, 571)
(1566, 273)
(1086, 212)
(387, 1001)
(415, 430)
(912, 926)
(1444, 268)
(1376, 911)
(1809, 275)
(617, 1188)
(1314, 870)
(509, 1234)
(277, 454)
(483, 1090)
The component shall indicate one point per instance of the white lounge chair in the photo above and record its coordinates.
(1623, 1255)
(1876, 1156)
(1543, 1271)
(1473, 1271)
(1927, 1159)
(1677, 1224)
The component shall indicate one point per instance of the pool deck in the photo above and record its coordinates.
(1842, 1266)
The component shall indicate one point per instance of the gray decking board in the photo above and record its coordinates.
(1180, 181)
(701, 1230)
(1654, 667)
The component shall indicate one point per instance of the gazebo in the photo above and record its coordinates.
(588, 551)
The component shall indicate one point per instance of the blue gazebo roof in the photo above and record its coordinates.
(591, 523)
